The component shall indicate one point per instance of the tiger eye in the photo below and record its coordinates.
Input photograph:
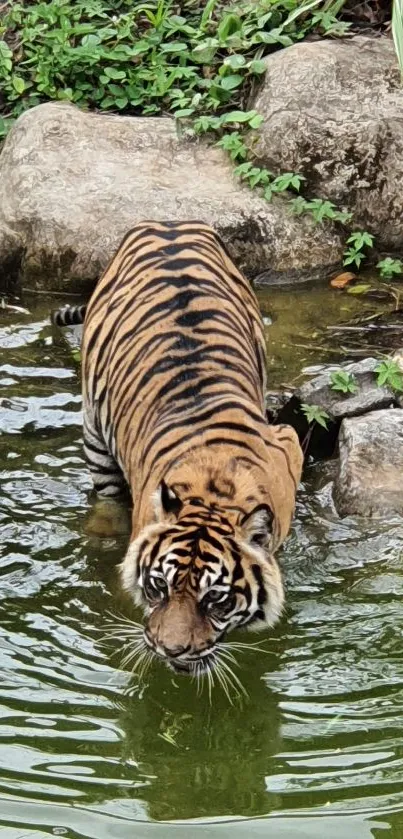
(218, 600)
(155, 587)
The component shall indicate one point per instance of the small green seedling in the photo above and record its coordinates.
(314, 413)
(319, 210)
(389, 373)
(358, 240)
(344, 382)
(388, 267)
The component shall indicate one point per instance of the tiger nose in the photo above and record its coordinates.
(175, 650)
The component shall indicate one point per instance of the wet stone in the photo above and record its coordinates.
(368, 397)
(369, 480)
(275, 401)
(333, 112)
(64, 209)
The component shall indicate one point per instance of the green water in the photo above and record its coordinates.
(316, 751)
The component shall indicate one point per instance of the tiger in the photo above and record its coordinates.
(173, 386)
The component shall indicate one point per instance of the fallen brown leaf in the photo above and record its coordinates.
(343, 279)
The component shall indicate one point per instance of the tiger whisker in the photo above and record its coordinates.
(133, 652)
(222, 680)
(210, 680)
(227, 654)
(123, 624)
(146, 662)
(122, 617)
(138, 665)
(134, 648)
(129, 659)
(239, 645)
(229, 659)
(123, 627)
(139, 645)
(124, 642)
(124, 630)
(233, 679)
(197, 674)
(118, 635)
(122, 620)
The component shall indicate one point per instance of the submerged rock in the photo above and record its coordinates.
(72, 183)
(369, 481)
(333, 112)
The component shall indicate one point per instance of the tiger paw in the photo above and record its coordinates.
(108, 518)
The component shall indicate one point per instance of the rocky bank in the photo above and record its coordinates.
(73, 182)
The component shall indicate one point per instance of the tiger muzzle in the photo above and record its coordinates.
(178, 634)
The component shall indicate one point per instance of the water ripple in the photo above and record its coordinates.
(86, 752)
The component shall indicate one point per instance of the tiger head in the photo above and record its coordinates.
(199, 571)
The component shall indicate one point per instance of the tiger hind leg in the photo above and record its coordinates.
(106, 474)
(109, 515)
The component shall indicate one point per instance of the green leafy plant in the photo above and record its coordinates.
(344, 382)
(397, 30)
(197, 61)
(355, 253)
(286, 181)
(314, 413)
(389, 373)
(233, 143)
(319, 210)
(388, 267)
(76, 354)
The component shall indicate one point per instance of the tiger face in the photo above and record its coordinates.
(199, 572)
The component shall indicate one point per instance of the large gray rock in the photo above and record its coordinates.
(72, 183)
(333, 112)
(370, 472)
(369, 396)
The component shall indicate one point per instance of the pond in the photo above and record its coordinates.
(88, 753)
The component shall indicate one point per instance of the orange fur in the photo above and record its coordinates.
(173, 390)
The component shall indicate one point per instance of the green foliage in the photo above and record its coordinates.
(197, 61)
(207, 123)
(354, 255)
(388, 267)
(314, 413)
(76, 354)
(344, 382)
(397, 31)
(319, 210)
(389, 373)
(233, 144)
(286, 181)
(147, 57)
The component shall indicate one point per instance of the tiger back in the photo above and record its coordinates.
(173, 401)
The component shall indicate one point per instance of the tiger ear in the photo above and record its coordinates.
(166, 502)
(257, 526)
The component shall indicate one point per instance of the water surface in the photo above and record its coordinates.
(87, 752)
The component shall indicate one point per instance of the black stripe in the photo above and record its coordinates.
(262, 594)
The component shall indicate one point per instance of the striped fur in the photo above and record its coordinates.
(69, 316)
(173, 398)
